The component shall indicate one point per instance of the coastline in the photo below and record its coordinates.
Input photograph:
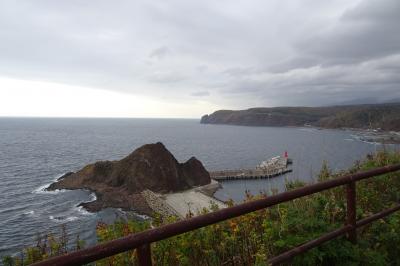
(140, 204)
(367, 135)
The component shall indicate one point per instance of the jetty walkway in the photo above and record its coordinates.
(274, 167)
(247, 174)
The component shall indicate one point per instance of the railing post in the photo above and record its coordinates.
(351, 210)
(144, 255)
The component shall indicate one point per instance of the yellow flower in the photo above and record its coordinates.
(233, 226)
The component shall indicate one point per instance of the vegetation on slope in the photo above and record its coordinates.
(384, 116)
(252, 239)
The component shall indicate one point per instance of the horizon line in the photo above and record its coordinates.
(98, 117)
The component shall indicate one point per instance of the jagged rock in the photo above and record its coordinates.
(119, 183)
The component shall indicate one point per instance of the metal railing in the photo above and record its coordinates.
(142, 241)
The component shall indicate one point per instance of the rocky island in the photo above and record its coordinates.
(120, 184)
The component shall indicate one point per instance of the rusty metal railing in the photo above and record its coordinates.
(142, 241)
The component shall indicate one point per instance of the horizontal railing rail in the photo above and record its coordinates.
(142, 240)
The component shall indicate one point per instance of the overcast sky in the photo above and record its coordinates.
(187, 58)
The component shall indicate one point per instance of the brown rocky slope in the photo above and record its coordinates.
(365, 116)
(119, 183)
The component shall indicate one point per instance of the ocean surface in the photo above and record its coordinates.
(36, 151)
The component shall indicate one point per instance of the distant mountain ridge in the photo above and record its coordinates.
(384, 116)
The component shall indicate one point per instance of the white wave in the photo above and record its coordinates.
(42, 189)
(93, 197)
(82, 210)
(62, 219)
(349, 139)
(29, 213)
(71, 218)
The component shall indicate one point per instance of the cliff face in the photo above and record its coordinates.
(384, 116)
(119, 183)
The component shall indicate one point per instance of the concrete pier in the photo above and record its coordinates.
(267, 169)
(246, 174)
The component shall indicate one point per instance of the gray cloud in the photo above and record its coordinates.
(166, 77)
(160, 53)
(200, 93)
(294, 63)
(240, 71)
(367, 31)
(242, 53)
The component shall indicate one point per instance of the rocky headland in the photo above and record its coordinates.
(385, 117)
(120, 184)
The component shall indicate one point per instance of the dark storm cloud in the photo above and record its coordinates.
(243, 53)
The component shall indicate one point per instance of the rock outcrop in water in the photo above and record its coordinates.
(119, 183)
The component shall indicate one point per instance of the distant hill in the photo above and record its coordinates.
(368, 100)
(384, 116)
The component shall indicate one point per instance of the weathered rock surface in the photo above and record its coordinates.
(119, 183)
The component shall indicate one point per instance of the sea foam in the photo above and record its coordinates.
(82, 211)
(42, 189)
(63, 219)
